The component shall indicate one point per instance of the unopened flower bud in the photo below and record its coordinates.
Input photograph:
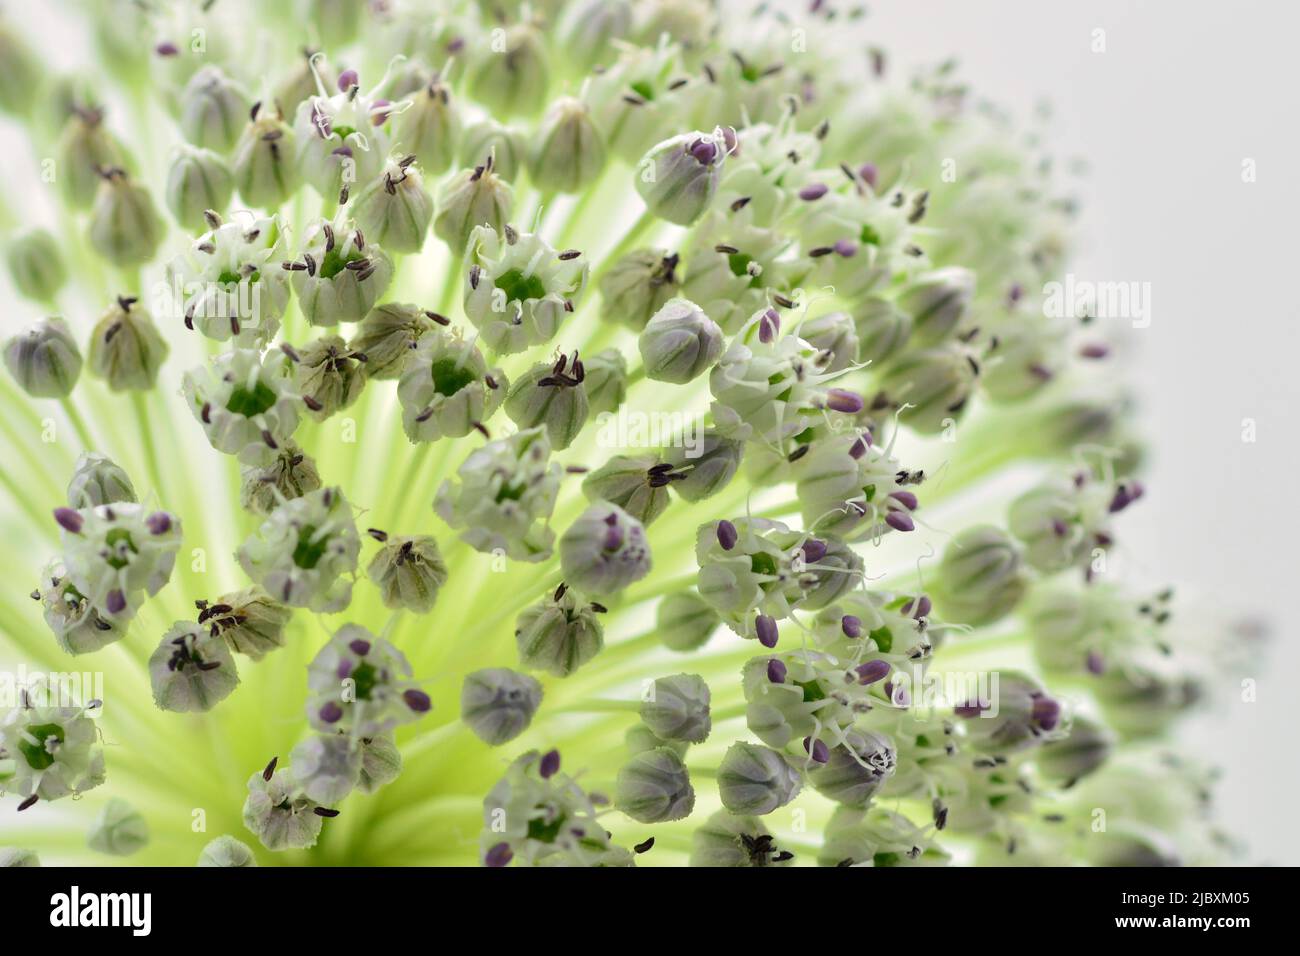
(430, 127)
(637, 286)
(654, 787)
(472, 198)
(279, 814)
(339, 277)
(559, 634)
(119, 830)
(381, 762)
(44, 359)
(226, 851)
(604, 550)
(981, 576)
(1085, 748)
(855, 769)
(305, 552)
(567, 152)
(678, 177)
(22, 75)
(409, 572)
(126, 348)
(677, 708)
(263, 164)
(640, 738)
(86, 147)
(833, 333)
(605, 382)
(637, 484)
(327, 767)
(12, 856)
(883, 329)
(36, 265)
(685, 621)
(550, 396)
(213, 110)
(291, 474)
(329, 373)
(937, 383)
(447, 388)
(197, 181)
(511, 79)
(756, 780)
(192, 669)
(249, 621)
(735, 841)
(97, 480)
(498, 704)
(936, 302)
(680, 343)
(125, 227)
(387, 336)
(395, 210)
(503, 144)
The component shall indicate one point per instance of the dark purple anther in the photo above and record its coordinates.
(969, 711)
(68, 519)
(900, 521)
(851, 625)
(1046, 713)
(160, 522)
(765, 628)
(703, 151)
(818, 749)
(347, 80)
(550, 764)
(1095, 664)
(379, 112)
(417, 700)
(860, 446)
(167, 48)
(846, 248)
(359, 647)
(814, 550)
(923, 607)
(872, 671)
(776, 671)
(613, 538)
(115, 603)
(500, 855)
(727, 535)
(869, 174)
(769, 326)
(813, 192)
(1015, 292)
(905, 498)
(1041, 372)
(842, 400)
(331, 713)
(1121, 500)
(1095, 351)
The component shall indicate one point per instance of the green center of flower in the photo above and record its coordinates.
(335, 262)
(119, 541)
(812, 690)
(38, 758)
(251, 401)
(539, 829)
(643, 89)
(519, 287)
(364, 679)
(762, 563)
(884, 639)
(449, 376)
(309, 550)
(509, 492)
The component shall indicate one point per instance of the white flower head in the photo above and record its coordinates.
(447, 388)
(55, 752)
(362, 684)
(245, 403)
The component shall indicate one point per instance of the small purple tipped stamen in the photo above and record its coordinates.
(813, 192)
(842, 400)
(776, 671)
(550, 764)
(727, 535)
(900, 521)
(765, 628)
(115, 603)
(817, 749)
(69, 519)
(851, 625)
(872, 671)
(417, 700)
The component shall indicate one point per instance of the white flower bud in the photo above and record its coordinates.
(126, 348)
(388, 335)
(708, 467)
(197, 181)
(604, 550)
(263, 165)
(856, 769)
(86, 147)
(504, 145)
(44, 359)
(119, 830)
(679, 177)
(97, 480)
(981, 577)
(290, 475)
(559, 634)
(409, 572)
(754, 780)
(655, 787)
(512, 81)
(244, 403)
(551, 396)
(679, 343)
(637, 286)
(470, 199)
(339, 278)
(36, 265)
(685, 621)
(498, 704)
(677, 708)
(226, 851)
(733, 841)
(937, 383)
(331, 374)
(213, 110)
(605, 381)
(883, 330)
(430, 127)
(586, 32)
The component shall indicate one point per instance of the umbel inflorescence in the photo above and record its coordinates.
(565, 434)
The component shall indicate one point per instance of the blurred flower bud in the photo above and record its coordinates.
(498, 704)
(226, 851)
(430, 127)
(980, 578)
(586, 32)
(36, 265)
(604, 550)
(119, 830)
(883, 330)
(125, 228)
(605, 382)
(637, 286)
(567, 152)
(936, 302)
(1018, 715)
(1085, 747)
(511, 79)
(685, 621)
(198, 180)
(504, 145)
(263, 165)
(97, 480)
(44, 359)
(213, 110)
(835, 333)
(937, 383)
(85, 147)
(470, 199)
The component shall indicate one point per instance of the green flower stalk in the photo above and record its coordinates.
(795, 539)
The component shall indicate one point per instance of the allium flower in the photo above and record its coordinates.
(798, 538)
(305, 553)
